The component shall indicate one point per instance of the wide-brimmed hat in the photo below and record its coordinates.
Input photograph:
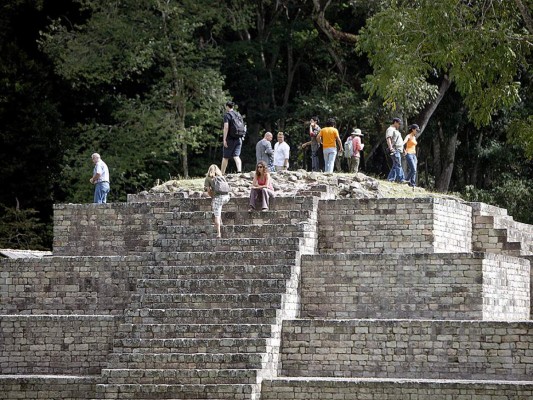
(357, 132)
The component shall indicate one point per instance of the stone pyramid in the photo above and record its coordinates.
(316, 298)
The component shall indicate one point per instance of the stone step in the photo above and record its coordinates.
(179, 202)
(174, 361)
(243, 217)
(191, 391)
(188, 345)
(168, 331)
(236, 231)
(231, 244)
(218, 271)
(193, 258)
(211, 286)
(198, 316)
(182, 376)
(393, 389)
(192, 301)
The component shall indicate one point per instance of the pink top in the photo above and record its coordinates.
(261, 181)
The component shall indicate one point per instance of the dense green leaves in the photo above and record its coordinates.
(144, 82)
(478, 45)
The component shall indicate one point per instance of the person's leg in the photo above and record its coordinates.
(264, 199)
(355, 164)
(411, 162)
(253, 198)
(400, 169)
(331, 155)
(328, 160)
(99, 193)
(105, 191)
(351, 164)
(396, 172)
(216, 205)
(315, 163)
(238, 164)
(224, 166)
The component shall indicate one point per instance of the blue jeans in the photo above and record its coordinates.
(396, 172)
(329, 158)
(101, 190)
(411, 162)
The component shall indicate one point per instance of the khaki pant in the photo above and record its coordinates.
(353, 164)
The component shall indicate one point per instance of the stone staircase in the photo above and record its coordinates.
(210, 328)
(314, 299)
(495, 231)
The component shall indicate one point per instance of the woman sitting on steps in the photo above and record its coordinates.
(261, 187)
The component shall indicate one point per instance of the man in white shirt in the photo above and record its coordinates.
(395, 145)
(281, 153)
(100, 179)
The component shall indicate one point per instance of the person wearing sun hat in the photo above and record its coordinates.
(352, 147)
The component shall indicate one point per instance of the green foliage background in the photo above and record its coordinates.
(144, 82)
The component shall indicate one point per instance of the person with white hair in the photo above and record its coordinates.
(100, 179)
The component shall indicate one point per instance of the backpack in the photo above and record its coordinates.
(348, 148)
(237, 128)
(221, 185)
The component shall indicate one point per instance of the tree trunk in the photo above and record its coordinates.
(185, 160)
(444, 159)
(178, 102)
(425, 115)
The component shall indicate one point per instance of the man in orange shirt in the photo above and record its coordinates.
(329, 137)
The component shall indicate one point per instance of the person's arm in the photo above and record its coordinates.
(268, 149)
(267, 182)
(96, 176)
(286, 154)
(225, 134)
(339, 142)
(208, 187)
(319, 138)
(389, 144)
(304, 145)
(255, 183)
(357, 145)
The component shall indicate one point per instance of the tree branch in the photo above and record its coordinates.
(528, 20)
(427, 112)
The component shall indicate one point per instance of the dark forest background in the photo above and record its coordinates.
(144, 82)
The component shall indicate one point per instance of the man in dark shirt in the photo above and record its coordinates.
(232, 145)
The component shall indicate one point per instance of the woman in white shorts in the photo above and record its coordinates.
(219, 198)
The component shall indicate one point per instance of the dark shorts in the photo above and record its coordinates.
(233, 149)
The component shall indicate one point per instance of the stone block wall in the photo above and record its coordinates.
(48, 387)
(68, 285)
(59, 345)
(452, 226)
(409, 349)
(443, 286)
(506, 288)
(105, 229)
(423, 225)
